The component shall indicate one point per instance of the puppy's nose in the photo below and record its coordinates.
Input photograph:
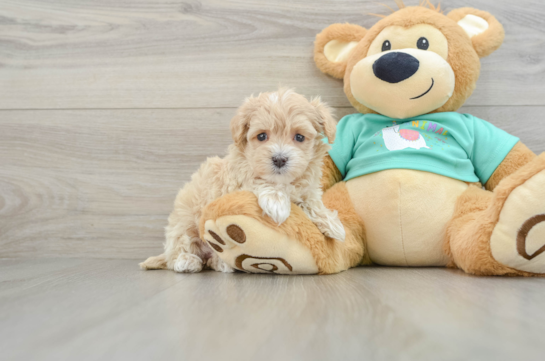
(279, 162)
(395, 67)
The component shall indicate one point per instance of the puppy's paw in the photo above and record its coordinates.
(276, 205)
(332, 226)
(217, 264)
(158, 262)
(336, 232)
(188, 263)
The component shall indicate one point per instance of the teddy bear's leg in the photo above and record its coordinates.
(247, 240)
(502, 232)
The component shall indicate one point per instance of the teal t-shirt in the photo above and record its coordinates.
(455, 145)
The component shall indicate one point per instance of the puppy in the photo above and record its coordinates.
(277, 154)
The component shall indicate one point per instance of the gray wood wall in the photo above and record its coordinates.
(107, 107)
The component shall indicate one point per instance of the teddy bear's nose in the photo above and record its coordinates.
(395, 67)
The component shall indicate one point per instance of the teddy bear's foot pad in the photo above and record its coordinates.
(518, 239)
(248, 245)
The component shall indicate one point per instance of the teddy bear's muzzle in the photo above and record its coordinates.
(395, 67)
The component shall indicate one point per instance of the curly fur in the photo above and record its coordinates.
(249, 166)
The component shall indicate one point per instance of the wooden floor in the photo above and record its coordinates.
(107, 108)
(83, 309)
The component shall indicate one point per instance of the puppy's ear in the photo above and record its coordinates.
(333, 46)
(324, 122)
(485, 31)
(241, 122)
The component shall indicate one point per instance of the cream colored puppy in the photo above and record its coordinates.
(277, 154)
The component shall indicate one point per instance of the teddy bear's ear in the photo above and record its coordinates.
(333, 46)
(485, 31)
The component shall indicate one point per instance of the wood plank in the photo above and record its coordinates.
(108, 309)
(95, 176)
(100, 183)
(212, 53)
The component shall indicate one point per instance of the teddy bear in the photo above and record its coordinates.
(414, 182)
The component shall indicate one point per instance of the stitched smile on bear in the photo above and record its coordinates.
(407, 67)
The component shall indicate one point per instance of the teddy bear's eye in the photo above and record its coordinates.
(386, 45)
(423, 44)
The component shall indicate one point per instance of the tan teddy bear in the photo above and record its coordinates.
(405, 173)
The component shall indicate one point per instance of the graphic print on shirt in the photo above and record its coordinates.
(396, 139)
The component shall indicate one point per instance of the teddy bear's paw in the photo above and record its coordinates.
(248, 245)
(518, 239)
(188, 263)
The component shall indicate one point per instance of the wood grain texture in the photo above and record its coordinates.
(101, 183)
(183, 54)
(93, 177)
(109, 310)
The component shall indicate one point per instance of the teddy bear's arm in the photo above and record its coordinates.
(330, 174)
(517, 157)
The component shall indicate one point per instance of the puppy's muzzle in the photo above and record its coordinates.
(279, 161)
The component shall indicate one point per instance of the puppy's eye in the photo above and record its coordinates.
(386, 45)
(262, 137)
(423, 44)
(299, 138)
